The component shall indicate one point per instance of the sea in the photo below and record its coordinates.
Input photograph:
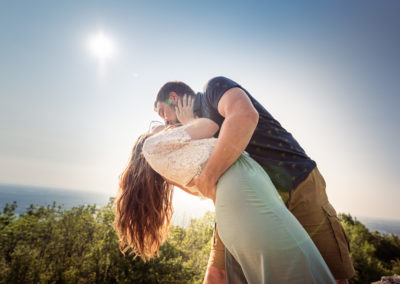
(67, 198)
(26, 195)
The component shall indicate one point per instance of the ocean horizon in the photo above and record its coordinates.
(42, 196)
(26, 195)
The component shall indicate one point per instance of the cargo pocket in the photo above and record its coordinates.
(338, 231)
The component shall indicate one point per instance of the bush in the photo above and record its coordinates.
(53, 245)
(373, 254)
(50, 244)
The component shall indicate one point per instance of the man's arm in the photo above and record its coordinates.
(241, 119)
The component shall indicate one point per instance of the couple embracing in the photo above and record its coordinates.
(274, 223)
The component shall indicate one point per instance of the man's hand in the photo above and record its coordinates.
(206, 186)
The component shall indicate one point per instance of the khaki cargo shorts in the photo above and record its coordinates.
(309, 204)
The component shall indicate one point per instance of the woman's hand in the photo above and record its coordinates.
(184, 109)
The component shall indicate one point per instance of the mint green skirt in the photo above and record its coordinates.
(260, 232)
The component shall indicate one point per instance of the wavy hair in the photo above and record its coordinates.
(143, 206)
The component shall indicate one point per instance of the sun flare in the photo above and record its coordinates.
(101, 46)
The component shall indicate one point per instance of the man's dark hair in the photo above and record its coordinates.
(178, 87)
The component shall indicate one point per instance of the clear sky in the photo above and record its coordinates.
(329, 71)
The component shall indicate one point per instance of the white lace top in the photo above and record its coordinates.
(174, 155)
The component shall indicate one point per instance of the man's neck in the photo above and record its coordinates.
(197, 104)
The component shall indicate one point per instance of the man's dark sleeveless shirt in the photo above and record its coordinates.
(271, 145)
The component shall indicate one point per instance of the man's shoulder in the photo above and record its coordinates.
(217, 83)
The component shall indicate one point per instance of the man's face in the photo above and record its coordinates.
(167, 113)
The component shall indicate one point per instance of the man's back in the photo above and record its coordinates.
(271, 145)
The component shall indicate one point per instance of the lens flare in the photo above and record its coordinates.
(101, 46)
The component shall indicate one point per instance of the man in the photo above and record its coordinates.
(245, 125)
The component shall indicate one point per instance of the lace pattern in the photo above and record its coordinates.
(175, 156)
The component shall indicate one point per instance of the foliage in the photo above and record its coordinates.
(373, 254)
(54, 245)
(195, 243)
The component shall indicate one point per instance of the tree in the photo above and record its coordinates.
(373, 254)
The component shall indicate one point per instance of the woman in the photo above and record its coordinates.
(253, 222)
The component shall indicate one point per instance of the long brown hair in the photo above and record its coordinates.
(143, 206)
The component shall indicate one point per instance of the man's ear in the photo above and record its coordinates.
(173, 97)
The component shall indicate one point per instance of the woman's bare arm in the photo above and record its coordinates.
(202, 128)
(197, 129)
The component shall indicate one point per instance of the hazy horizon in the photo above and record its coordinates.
(183, 213)
(183, 209)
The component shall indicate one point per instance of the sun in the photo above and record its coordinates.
(101, 46)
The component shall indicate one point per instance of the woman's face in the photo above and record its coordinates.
(167, 112)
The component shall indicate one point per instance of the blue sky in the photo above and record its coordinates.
(328, 71)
